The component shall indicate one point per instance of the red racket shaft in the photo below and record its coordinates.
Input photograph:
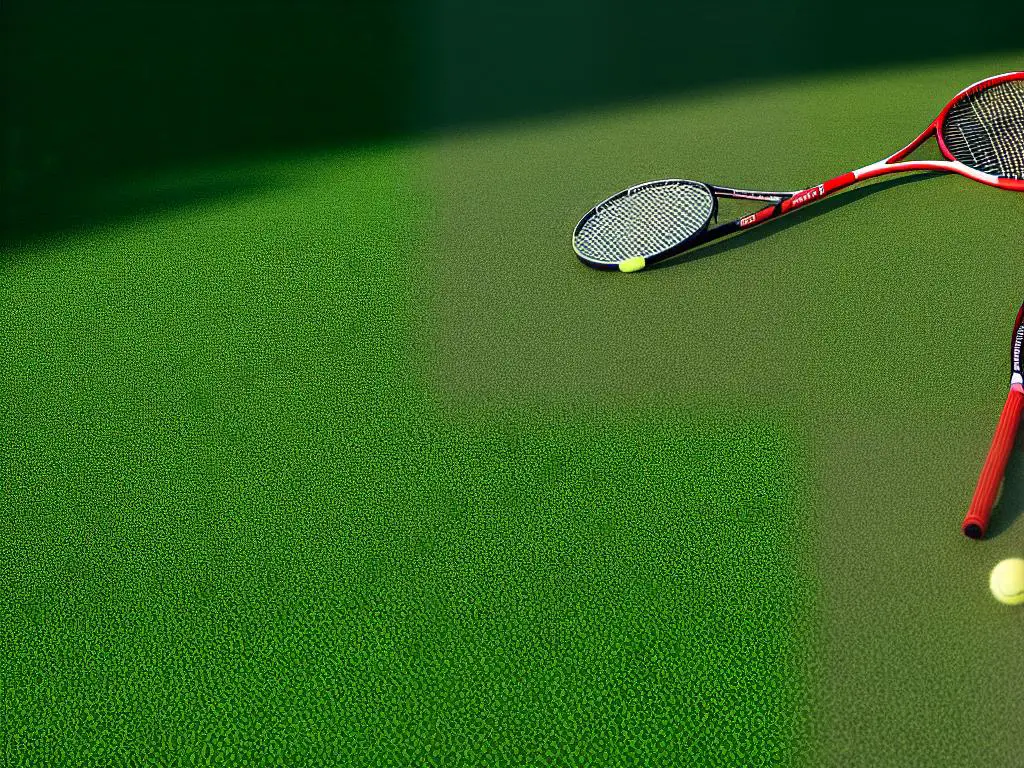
(976, 523)
(892, 164)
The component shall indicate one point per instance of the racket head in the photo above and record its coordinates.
(649, 220)
(982, 128)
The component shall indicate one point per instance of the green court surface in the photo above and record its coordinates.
(357, 465)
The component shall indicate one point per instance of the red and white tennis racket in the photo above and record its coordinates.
(976, 523)
(980, 133)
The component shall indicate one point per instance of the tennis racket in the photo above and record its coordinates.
(976, 523)
(980, 133)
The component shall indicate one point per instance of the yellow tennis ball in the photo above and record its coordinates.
(1007, 581)
(634, 264)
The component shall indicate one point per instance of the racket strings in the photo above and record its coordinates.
(644, 221)
(985, 130)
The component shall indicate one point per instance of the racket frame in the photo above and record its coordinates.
(781, 203)
(976, 522)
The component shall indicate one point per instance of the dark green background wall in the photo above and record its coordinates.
(92, 91)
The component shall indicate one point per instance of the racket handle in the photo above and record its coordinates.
(976, 523)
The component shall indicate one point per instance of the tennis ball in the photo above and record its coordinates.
(1007, 581)
(632, 265)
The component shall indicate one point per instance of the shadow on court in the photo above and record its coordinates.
(82, 208)
(1010, 504)
(94, 93)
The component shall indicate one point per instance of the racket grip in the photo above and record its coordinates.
(976, 523)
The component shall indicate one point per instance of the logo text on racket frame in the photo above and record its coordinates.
(806, 196)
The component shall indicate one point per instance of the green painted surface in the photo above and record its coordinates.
(361, 466)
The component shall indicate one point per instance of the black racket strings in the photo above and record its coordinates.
(644, 221)
(985, 130)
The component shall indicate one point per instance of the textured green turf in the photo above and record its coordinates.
(240, 528)
(360, 467)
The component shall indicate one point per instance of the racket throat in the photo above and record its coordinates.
(900, 162)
